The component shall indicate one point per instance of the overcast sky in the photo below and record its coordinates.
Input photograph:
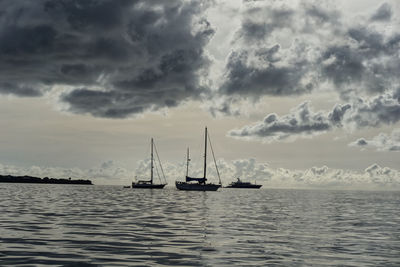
(294, 93)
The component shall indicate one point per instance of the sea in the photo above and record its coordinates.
(78, 225)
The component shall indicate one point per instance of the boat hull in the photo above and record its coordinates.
(196, 187)
(147, 186)
(251, 186)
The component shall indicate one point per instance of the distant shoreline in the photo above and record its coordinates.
(37, 180)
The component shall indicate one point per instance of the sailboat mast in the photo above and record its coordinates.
(205, 154)
(187, 162)
(151, 164)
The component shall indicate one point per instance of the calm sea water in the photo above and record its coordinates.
(112, 226)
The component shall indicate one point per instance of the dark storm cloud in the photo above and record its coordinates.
(258, 25)
(258, 66)
(147, 55)
(370, 62)
(270, 78)
(346, 66)
(255, 68)
(301, 49)
(19, 90)
(103, 104)
(123, 57)
(384, 13)
(396, 94)
(380, 110)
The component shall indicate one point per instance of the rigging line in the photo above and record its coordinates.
(215, 162)
(184, 165)
(158, 174)
(159, 162)
(146, 162)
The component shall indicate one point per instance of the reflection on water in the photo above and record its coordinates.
(105, 225)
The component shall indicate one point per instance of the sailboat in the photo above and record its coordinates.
(148, 184)
(199, 183)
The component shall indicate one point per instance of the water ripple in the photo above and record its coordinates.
(66, 225)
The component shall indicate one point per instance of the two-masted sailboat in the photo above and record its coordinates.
(199, 184)
(149, 184)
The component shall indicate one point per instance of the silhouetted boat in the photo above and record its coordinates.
(148, 184)
(241, 184)
(199, 183)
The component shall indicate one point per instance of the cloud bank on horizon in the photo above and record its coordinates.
(110, 172)
(116, 59)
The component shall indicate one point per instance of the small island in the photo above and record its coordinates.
(37, 180)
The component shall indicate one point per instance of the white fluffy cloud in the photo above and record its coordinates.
(300, 122)
(303, 121)
(382, 142)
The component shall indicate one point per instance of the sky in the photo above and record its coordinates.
(295, 94)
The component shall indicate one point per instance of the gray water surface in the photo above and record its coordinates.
(112, 226)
